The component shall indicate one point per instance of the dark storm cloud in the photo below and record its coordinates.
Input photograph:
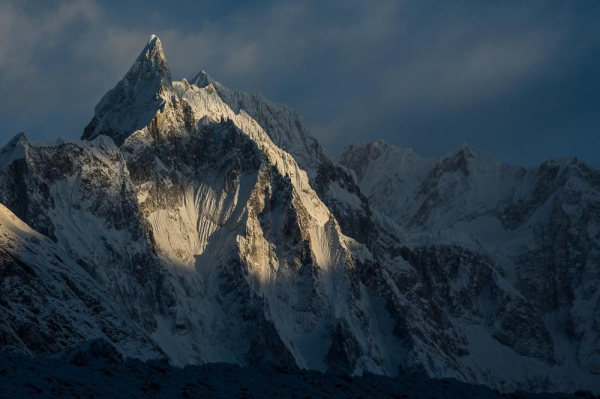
(517, 78)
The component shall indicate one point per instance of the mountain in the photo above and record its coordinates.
(539, 224)
(220, 231)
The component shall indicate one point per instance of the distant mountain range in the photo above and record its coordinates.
(205, 225)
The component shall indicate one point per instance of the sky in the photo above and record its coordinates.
(520, 79)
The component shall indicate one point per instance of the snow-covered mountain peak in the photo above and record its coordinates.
(469, 161)
(136, 99)
(17, 140)
(560, 162)
(379, 157)
(152, 60)
(14, 149)
(464, 146)
(467, 151)
(18, 137)
(202, 79)
(376, 149)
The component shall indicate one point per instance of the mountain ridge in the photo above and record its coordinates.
(224, 231)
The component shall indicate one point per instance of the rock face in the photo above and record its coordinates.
(218, 230)
(48, 302)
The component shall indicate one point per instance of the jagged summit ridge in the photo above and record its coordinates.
(202, 79)
(13, 150)
(152, 61)
(136, 99)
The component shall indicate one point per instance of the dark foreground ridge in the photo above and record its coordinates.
(95, 370)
